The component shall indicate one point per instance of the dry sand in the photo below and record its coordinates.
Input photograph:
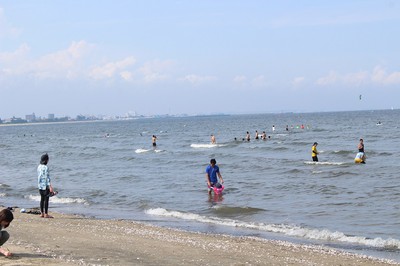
(75, 240)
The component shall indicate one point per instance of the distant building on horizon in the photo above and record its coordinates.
(50, 117)
(30, 118)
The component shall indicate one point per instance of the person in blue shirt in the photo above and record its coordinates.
(212, 171)
(44, 185)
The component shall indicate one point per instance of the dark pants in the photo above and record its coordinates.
(315, 158)
(44, 200)
(4, 236)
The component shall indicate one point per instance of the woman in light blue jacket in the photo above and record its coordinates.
(44, 184)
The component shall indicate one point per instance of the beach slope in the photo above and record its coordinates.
(75, 240)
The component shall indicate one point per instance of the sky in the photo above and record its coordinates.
(100, 57)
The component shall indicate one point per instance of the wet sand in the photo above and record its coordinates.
(76, 240)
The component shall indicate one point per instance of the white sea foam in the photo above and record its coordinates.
(205, 145)
(141, 150)
(324, 163)
(289, 230)
(60, 200)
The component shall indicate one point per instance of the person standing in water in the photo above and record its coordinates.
(314, 152)
(247, 136)
(361, 146)
(154, 140)
(44, 184)
(213, 141)
(360, 157)
(212, 171)
(264, 136)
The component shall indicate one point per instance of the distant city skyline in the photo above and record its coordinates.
(198, 57)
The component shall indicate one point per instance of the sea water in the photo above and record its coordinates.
(110, 169)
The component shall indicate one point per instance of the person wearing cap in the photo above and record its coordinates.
(212, 171)
(314, 152)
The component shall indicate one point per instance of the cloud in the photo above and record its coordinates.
(331, 78)
(196, 79)
(156, 70)
(259, 81)
(14, 63)
(10, 57)
(76, 61)
(239, 79)
(356, 79)
(378, 75)
(126, 75)
(111, 69)
(66, 63)
(298, 81)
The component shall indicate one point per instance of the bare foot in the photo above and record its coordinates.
(48, 216)
(5, 252)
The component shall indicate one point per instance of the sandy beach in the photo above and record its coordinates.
(76, 240)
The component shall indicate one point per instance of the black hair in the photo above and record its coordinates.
(6, 215)
(213, 161)
(44, 159)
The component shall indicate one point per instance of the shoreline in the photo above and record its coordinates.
(77, 240)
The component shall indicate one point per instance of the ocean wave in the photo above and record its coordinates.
(345, 152)
(226, 210)
(148, 150)
(60, 200)
(205, 145)
(280, 148)
(324, 163)
(288, 230)
(141, 150)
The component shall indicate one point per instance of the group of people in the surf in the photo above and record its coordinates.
(360, 156)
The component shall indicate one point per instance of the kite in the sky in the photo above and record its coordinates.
(360, 97)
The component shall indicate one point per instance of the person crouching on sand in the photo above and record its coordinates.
(6, 217)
